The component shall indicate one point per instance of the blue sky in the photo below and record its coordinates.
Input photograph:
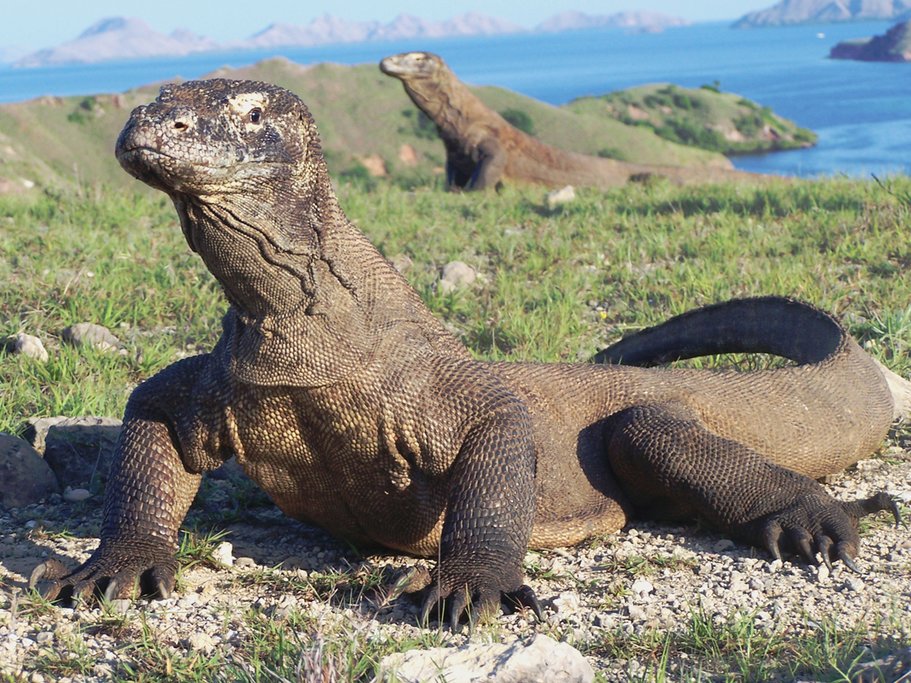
(34, 24)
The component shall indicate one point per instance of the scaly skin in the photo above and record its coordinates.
(342, 396)
(483, 149)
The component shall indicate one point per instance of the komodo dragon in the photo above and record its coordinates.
(483, 149)
(355, 409)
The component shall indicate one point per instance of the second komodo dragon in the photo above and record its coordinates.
(355, 409)
(483, 149)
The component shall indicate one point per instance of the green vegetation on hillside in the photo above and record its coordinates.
(365, 120)
(704, 117)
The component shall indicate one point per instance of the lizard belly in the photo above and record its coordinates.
(340, 477)
(577, 495)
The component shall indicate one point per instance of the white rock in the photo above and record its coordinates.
(822, 573)
(642, 587)
(543, 660)
(224, 554)
(202, 642)
(29, 346)
(562, 196)
(456, 275)
(90, 334)
(567, 602)
(76, 495)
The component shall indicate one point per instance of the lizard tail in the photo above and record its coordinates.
(777, 325)
(771, 324)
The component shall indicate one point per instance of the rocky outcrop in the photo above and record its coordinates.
(824, 11)
(77, 449)
(25, 478)
(542, 660)
(892, 46)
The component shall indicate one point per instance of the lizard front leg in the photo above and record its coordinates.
(667, 459)
(146, 499)
(489, 516)
(491, 162)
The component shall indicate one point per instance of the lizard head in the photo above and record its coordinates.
(413, 65)
(218, 137)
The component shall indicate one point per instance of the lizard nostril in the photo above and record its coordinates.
(180, 125)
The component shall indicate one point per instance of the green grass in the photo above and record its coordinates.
(557, 285)
(738, 647)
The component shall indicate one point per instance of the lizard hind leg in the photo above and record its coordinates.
(665, 457)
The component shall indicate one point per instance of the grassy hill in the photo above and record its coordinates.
(364, 117)
(703, 117)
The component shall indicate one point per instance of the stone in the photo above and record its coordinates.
(457, 275)
(76, 495)
(201, 642)
(408, 155)
(642, 587)
(375, 166)
(542, 660)
(95, 336)
(78, 449)
(25, 478)
(559, 197)
(224, 554)
(28, 346)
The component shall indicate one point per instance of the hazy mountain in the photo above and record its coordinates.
(649, 21)
(119, 38)
(328, 29)
(127, 38)
(824, 11)
(10, 53)
(893, 46)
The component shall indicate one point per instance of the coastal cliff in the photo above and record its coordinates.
(892, 46)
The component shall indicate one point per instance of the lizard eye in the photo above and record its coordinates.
(255, 115)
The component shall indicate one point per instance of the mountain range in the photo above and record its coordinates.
(128, 38)
(825, 11)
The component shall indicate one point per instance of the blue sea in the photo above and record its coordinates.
(861, 111)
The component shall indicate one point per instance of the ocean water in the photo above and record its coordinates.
(861, 111)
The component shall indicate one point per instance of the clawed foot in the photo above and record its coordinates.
(108, 575)
(477, 605)
(818, 525)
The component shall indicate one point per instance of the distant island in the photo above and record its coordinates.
(825, 11)
(132, 38)
(893, 46)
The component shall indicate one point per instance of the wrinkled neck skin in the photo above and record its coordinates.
(312, 297)
(273, 246)
(444, 99)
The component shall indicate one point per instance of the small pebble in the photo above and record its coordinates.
(76, 495)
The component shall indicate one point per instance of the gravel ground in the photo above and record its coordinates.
(649, 578)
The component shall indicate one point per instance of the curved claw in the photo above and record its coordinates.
(49, 570)
(524, 598)
(771, 538)
(432, 601)
(877, 503)
(842, 553)
(459, 602)
(801, 540)
(824, 545)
